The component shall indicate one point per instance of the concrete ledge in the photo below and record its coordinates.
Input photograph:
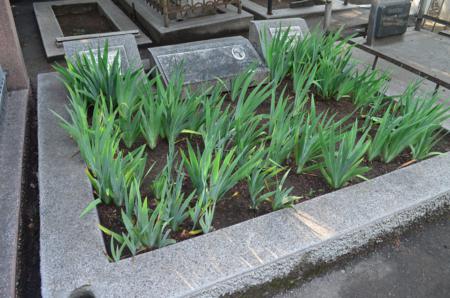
(49, 27)
(12, 138)
(260, 12)
(228, 22)
(222, 262)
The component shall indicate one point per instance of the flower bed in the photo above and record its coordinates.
(167, 164)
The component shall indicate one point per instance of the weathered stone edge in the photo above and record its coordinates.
(326, 251)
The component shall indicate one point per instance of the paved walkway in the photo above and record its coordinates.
(414, 265)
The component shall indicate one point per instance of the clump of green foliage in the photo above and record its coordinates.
(253, 135)
(411, 121)
(342, 155)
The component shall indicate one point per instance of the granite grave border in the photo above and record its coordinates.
(222, 262)
(227, 22)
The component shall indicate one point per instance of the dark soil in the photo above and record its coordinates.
(234, 207)
(28, 248)
(82, 19)
(28, 281)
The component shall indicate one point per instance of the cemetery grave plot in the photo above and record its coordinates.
(176, 21)
(177, 163)
(81, 19)
(64, 20)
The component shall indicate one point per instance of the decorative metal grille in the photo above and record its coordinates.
(182, 9)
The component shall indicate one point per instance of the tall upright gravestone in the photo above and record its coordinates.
(387, 18)
(203, 63)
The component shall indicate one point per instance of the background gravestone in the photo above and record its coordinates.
(2, 88)
(124, 45)
(388, 18)
(204, 62)
(297, 27)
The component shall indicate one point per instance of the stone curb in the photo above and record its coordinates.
(222, 262)
(12, 139)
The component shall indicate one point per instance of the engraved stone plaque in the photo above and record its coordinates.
(123, 45)
(113, 51)
(206, 61)
(297, 28)
(388, 18)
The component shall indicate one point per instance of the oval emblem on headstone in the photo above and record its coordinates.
(238, 53)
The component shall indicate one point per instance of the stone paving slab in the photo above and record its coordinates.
(408, 51)
(401, 78)
(12, 138)
(222, 262)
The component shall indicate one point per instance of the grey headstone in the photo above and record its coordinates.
(388, 18)
(297, 27)
(3, 90)
(204, 62)
(124, 45)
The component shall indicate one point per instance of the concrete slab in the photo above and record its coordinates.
(408, 51)
(227, 22)
(260, 12)
(224, 261)
(12, 138)
(50, 28)
(401, 78)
